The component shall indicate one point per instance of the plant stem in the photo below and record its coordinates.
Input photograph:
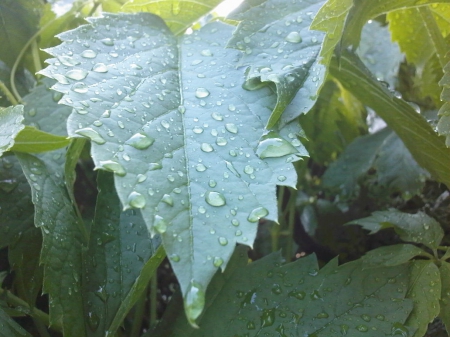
(8, 94)
(138, 315)
(153, 299)
(36, 57)
(41, 327)
(291, 224)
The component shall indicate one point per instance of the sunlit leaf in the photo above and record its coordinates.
(11, 119)
(443, 126)
(180, 133)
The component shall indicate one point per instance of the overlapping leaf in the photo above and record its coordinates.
(266, 298)
(443, 126)
(10, 328)
(379, 159)
(417, 228)
(178, 15)
(444, 271)
(11, 120)
(170, 118)
(390, 256)
(279, 47)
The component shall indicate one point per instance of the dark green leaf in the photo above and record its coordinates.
(266, 298)
(24, 82)
(19, 21)
(444, 122)
(181, 151)
(427, 148)
(178, 15)
(119, 249)
(9, 328)
(11, 119)
(417, 228)
(32, 140)
(444, 314)
(425, 291)
(390, 256)
(279, 47)
(379, 161)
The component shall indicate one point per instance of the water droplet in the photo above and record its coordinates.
(274, 147)
(212, 183)
(175, 257)
(223, 241)
(200, 167)
(257, 214)
(89, 54)
(235, 222)
(194, 301)
(231, 167)
(300, 295)
(215, 199)
(113, 166)
(197, 130)
(249, 169)
(365, 317)
(154, 166)
(362, 328)
(238, 232)
(281, 178)
(231, 128)
(217, 116)
(231, 107)
(165, 124)
(92, 135)
(68, 61)
(80, 87)
(221, 141)
(160, 226)
(202, 210)
(206, 147)
(181, 109)
(61, 78)
(140, 141)
(217, 262)
(267, 317)
(136, 200)
(294, 37)
(167, 199)
(322, 315)
(380, 317)
(100, 68)
(93, 321)
(344, 329)
(141, 178)
(108, 41)
(201, 93)
(121, 125)
(206, 52)
(77, 74)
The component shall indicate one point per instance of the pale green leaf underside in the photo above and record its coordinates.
(171, 119)
(444, 113)
(417, 228)
(279, 47)
(178, 15)
(32, 140)
(11, 120)
(266, 298)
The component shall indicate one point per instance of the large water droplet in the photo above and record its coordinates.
(93, 321)
(221, 141)
(92, 134)
(89, 54)
(112, 166)
(206, 52)
(274, 147)
(68, 61)
(100, 68)
(175, 257)
(206, 147)
(140, 141)
(77, 74)
(80, 87)
(167, 199)
(194, 301)
(231, 167)
(215, 199)
(108, 41)
(136, 200)
(161, 226)
(231, 128)
(267, 318)
(201, 93)
(223, 241)
(294, 37)
(200, 167)
(257, 214)
(218, 261)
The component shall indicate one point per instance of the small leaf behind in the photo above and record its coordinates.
(444, 314)
(11, 120)
(10, 328)
(390, 256)
(32, 140)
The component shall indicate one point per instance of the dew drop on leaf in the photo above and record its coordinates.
(206, 52)
(175, 257)
(100, 68)
(194, 301)
(161, 226)
(136, 200)
(91, 134)
(167, 199)
(257, 214)
(274, 147)
(230, 127)
(231, 167)
(294, 37)
(80, 87)
(212, 183)
(200, 167)
(201, 93)
(89, 54)
(215, 199)
(140, 141)
(205, 147)
(221, 141)
(267, 317)
(218, 261)
(362, 328)
(108, 41)
(77, 74)
(217, 116)
(112, 166)
(223, 241)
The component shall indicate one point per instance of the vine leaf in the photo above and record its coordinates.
(279, 47)
(32, 140)
(298, 299)
(379, 159)
(178, 15)
(169, 118)
(443, 126)
(417, 228)
(444, 271)
(425, 291)
(390, 256)
(11, 119)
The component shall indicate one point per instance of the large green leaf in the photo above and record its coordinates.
(279, 47)
(443, 126)
(11, 119)
(378, 160)
(119, 247)
(267, 298)
(178, 14)
(417, 228)
(9, 328)
(19, 21)
(390, 256)
(425, 290)
(427, 148)
(444, 271)
(169, 117)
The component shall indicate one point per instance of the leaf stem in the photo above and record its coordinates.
(8, 94)
(138, 315)
(291, 224)
(36, 57)
(153, 299)
(33, 312)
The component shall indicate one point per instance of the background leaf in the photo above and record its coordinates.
(444, 314)
(119, 248)
(32, 140)
(177, 14)
(265, 297)
(279, 47)
(390, 256)
(443, 126)
(180, 151)
(378, 160)
(417, 228)
(11, 119)
(10, 328)
(425, 291)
